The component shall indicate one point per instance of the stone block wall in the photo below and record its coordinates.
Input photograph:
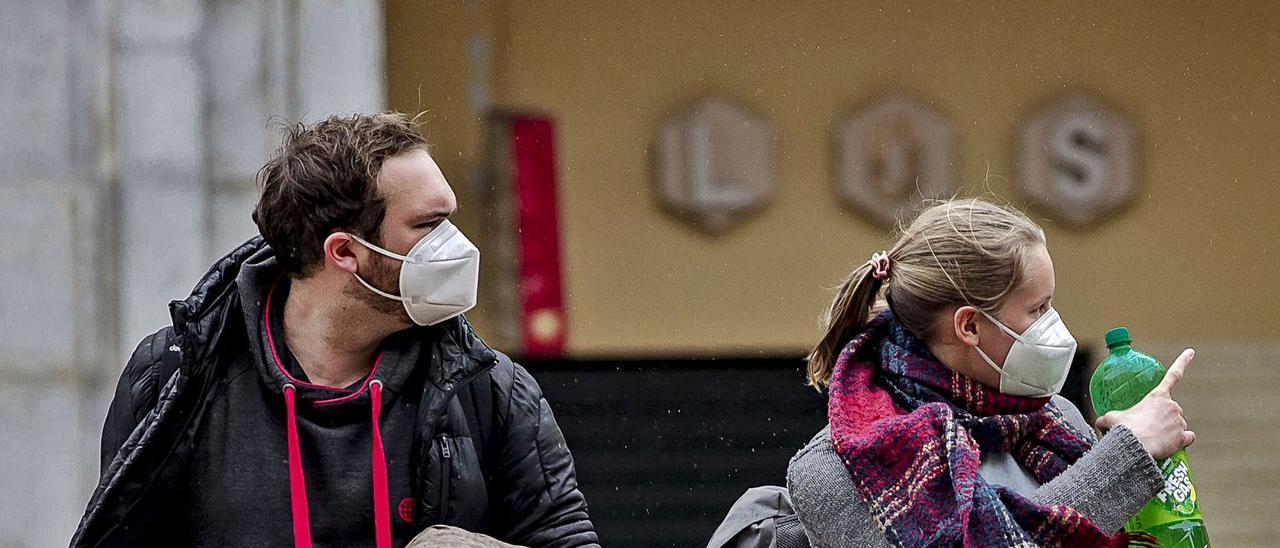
(130, 133)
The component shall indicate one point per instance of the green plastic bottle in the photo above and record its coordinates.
(1120, 382)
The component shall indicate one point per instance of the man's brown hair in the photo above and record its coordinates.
(323, 179)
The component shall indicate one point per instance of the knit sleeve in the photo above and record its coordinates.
(1109, 484)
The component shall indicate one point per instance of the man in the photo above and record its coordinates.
(321, 387)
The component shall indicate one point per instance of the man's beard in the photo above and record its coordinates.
(384, 274)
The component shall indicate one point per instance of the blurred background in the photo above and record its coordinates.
(664, 307)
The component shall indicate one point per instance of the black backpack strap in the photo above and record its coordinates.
(150, 367)
(477, 401)
(170, 360)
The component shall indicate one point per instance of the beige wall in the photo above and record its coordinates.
(1194, 261)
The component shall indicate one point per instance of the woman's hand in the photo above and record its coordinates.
(1157, 419)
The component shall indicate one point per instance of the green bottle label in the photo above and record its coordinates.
(1178, 497)
(1175, 508)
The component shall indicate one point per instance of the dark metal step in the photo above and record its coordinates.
(663, 448)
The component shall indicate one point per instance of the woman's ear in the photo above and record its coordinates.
(339, 250)
(965, 323)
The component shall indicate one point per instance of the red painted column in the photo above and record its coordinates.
(541, 310)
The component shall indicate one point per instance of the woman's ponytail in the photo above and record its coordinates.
(849, 312)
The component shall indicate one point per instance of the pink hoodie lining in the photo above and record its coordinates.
(271, 340)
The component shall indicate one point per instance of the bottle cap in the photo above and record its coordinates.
(1117, 336)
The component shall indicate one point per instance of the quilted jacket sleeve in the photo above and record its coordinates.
(136, 393)
(536, 491)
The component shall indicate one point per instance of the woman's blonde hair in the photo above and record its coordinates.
(956, 252)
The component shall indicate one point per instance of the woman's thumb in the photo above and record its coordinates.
(1106, 422)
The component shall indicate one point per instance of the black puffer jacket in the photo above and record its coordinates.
(509, 473)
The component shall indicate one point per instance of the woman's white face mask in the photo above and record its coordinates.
(1039, 359)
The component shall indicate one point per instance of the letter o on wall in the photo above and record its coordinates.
(890, 156)
(1079, 160)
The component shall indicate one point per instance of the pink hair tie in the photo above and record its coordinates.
(879, 265)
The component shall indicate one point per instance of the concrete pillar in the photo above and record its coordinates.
(130, 133)
(56, 326)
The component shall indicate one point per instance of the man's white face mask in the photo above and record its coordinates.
(439, 278)
(1039, 359)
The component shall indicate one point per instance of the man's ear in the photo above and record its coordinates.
(340, 251)
(965, 324)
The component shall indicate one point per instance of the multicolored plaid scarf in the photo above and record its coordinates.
(911, 433)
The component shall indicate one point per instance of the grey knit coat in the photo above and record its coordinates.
(1109, 484)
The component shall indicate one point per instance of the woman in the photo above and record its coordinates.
(945, 423)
